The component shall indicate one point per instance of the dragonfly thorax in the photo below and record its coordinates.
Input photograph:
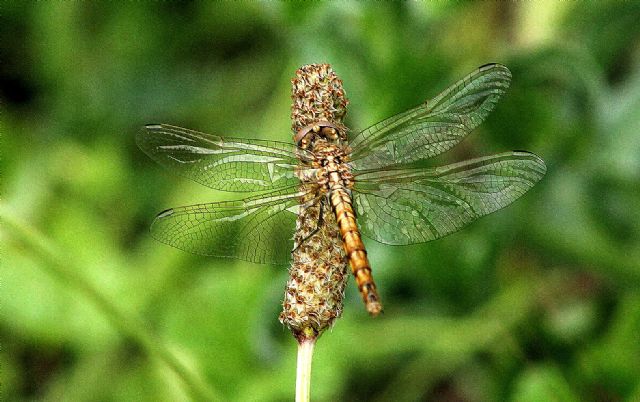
(330, 164)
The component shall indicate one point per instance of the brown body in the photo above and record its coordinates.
(353, 246)
(335, 178)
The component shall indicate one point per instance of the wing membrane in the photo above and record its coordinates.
(257, 229)
(432, 127)
(407, 206)
(229, 164)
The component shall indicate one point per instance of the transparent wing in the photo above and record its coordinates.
(407, 206)
(229, 164)
(257, 229)
(435, 126)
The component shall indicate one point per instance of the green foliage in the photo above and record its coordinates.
(538, 302)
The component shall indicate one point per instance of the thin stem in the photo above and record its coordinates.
(303, 373)
(64, 269)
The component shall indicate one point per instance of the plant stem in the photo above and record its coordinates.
(303, 372)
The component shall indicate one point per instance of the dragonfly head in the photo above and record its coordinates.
(325, 130)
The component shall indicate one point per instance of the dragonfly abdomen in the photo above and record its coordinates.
(354, 248)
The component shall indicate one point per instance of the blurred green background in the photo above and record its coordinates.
(537, 302)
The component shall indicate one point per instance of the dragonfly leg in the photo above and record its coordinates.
(316, 229)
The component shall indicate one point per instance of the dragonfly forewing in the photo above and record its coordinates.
(222, 163)
(407, 206)
(434, 126)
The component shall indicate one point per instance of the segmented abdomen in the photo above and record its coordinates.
(354, 248)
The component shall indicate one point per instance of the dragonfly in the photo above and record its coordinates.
(374, 181)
